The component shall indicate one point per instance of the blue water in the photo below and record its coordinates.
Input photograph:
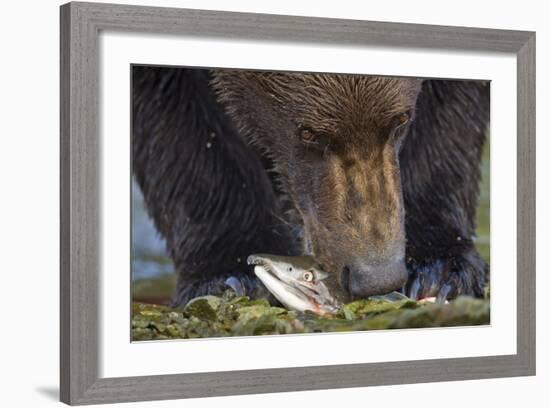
(149, 256)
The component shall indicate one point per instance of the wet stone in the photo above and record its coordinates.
(231, 315)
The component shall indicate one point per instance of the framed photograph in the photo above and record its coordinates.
(259, 203)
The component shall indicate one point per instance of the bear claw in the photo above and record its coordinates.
(445, 279)
(236, 285)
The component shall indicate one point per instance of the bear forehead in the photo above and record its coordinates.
(341, 97)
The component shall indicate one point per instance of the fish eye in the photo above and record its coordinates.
(290, 268)
(307, 276)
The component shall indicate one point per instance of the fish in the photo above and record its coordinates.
(298, 282)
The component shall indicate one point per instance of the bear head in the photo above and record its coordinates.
(334, 142)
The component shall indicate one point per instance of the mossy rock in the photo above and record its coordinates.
(228, 315)
(204, 308)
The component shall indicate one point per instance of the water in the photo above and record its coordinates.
(150, 258)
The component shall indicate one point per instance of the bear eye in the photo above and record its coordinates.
(307, 136)
(402, 119)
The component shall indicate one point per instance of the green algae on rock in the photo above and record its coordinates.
(230, 315)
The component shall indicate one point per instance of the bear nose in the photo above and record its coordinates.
(366, 279)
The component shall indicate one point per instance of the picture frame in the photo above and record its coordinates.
(81, 24)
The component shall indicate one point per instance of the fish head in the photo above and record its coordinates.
(298, 282)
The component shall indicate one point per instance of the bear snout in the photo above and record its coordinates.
(367, 278)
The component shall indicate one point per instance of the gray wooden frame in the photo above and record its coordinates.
(80, 235)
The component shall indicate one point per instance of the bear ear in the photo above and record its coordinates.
(229, 84)
(235, 90)
(244, 98)
(232, 86)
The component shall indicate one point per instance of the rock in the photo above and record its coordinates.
(230, 315)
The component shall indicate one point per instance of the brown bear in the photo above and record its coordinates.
(377, 177)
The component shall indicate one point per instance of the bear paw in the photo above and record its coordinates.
(237, 286)
(447, 278)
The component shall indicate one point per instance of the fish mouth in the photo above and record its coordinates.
(287, 290)
(270, 267)
(257, 260)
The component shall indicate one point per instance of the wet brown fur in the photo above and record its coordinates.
(351, 201)
(365, 194)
